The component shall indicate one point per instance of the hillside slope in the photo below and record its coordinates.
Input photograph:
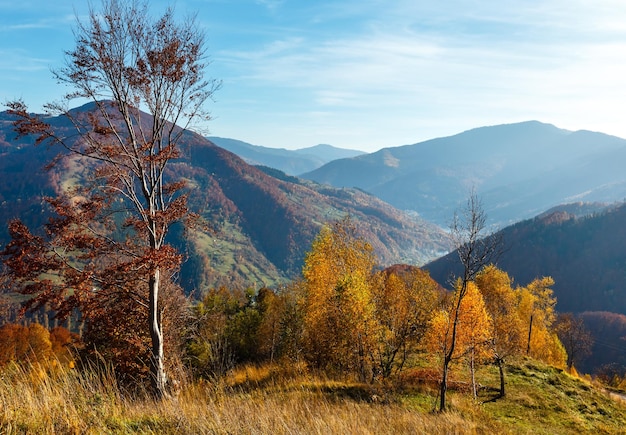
(258, 226)
(281, 400)
(586, 256)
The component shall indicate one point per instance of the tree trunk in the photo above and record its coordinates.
(159, 378)
(450, 352)
(530, 331)
(571, 354)
(444, 385)
(473, 375)
(501, 368)
(446, 363)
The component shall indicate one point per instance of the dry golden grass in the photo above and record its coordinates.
(289, 400)
(72, 402)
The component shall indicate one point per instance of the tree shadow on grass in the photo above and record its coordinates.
(491, 394)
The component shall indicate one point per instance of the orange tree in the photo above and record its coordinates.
(405, 298)
(501, 301)
(537, 310)
(338, 319)
(35, 345)
(472, 324)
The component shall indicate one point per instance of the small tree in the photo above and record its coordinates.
(209, 350)
(536, 309)
(473, 329)
(143, 77)
(501, 302)
(271, 306)
(405, 298)
(474, 251)
(575, 337)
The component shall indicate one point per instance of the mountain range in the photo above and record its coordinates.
(260, 223)
(519, 170)
(262, 220)
(292, 162)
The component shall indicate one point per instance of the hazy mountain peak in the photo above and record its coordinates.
(292, 162)
(519, 170)
(329, 149)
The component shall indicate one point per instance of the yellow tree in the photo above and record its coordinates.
(271, 307)
(476, 330)
(473, 329)
(338, 309)
(405, 298)
(501, 301)
(536, 308)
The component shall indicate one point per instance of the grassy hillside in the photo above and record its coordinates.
(280, 400)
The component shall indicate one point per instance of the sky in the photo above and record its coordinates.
(367, 74)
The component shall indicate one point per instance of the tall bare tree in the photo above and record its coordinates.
(145, 79)
(475, 250)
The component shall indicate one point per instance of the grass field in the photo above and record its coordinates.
(289, 400)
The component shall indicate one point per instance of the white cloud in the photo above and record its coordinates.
(468, 60)
(385, 73)
(270, 4)
(20, 61)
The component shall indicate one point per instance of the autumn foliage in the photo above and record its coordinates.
(405, 298)
(34, 345)
(345, 318)
(339, 308)
(356, 320)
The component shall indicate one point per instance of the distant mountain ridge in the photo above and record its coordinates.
(519, 170)
(291, 162)
(259, 227)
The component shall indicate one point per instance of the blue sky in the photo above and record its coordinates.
(368, 74)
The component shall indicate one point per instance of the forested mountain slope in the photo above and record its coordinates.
(258, 227)
(586, 256)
